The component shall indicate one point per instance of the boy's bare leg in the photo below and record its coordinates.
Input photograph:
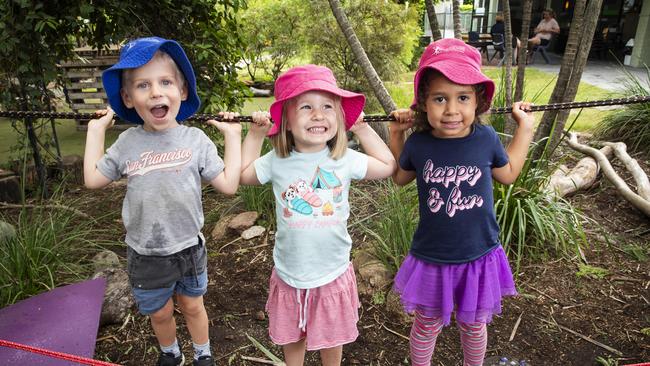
(196, 317)
(331, 356)
(163, 324)
(294, 353)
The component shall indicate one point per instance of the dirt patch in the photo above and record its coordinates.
(563, 318)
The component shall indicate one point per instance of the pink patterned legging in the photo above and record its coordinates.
(425, 330)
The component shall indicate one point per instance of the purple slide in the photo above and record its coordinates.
(64, 319)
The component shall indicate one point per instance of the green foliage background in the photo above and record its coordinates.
(36, 35)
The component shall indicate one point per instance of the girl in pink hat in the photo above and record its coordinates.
(313, 302)
(456, 262)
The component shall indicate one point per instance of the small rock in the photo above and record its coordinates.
(259, 315)
(253, 232)
(118, 299)
(7, 232)
(104, 260)
(243, 221)
(372, 274)
(221, 227)
(229, 337)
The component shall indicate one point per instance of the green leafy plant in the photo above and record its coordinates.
(378, 298)
(272, 31)
(609, 361)
(36, 35)
(387, 30)
(585, 270)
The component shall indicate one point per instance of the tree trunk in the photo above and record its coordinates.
(588, 30)
(507, 59)
(456, 13)
(523, 51)
(360, 54)
(433, 20)
(570, 71)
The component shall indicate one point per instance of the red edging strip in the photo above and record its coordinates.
(60, 355)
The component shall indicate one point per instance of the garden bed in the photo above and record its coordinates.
(564, 310)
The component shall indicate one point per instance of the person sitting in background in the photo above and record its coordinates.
(500, 28)
(545, 30)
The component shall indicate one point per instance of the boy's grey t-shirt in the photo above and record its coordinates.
(312, 244)
(162, 209)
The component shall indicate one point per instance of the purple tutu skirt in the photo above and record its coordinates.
(472, 290)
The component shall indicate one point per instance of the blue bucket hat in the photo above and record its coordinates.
(137, 53)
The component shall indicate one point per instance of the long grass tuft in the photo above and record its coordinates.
(48, 250)
(630, 123)
(260, 198)
(533, 224)
(395, 224)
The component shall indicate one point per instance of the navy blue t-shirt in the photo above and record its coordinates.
(454, 180)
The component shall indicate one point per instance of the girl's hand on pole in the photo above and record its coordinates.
(522, 114)
(359, 124)
(403, 120)
(261, 123)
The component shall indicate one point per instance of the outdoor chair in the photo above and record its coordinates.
(600, 44)
(542, 49)
(499, 45)
(474, 40)
(498, 41)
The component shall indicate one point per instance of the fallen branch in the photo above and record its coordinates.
(261, 360)
(514, 329)
(636, 200)
(606, 347)
(227, 244)
(394, 332)
(59, 207)
(641, 179)
(565, 181)
(235, 351)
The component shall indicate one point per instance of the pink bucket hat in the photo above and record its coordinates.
(457, 61)
(300, 79)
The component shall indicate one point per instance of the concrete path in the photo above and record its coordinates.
(608, 75)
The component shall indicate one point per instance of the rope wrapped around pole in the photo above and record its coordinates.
(368, 118)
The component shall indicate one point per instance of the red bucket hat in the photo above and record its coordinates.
(458, 62)
(300, 79)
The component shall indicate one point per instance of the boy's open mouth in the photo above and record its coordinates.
(159, 111)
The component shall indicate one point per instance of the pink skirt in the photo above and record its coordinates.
(324, 316)
(472, 290)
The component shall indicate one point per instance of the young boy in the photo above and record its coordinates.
(153, 85)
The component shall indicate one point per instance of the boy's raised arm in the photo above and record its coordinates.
(228, 181)
(95, 136)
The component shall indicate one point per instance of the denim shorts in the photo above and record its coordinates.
(154, 279)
